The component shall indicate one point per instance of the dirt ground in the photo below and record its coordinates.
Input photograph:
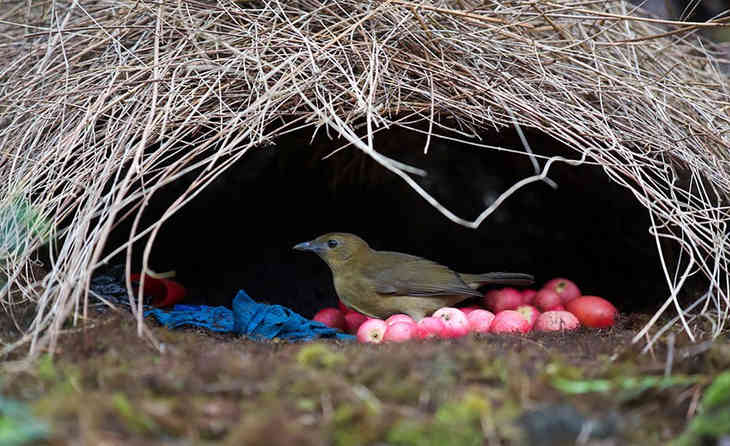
(106, 386)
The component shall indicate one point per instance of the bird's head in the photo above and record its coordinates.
(335, 248)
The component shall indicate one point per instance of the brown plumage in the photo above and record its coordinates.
(382, 283)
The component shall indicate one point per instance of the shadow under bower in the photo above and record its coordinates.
(239, 232)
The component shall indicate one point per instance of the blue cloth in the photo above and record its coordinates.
(255, 320)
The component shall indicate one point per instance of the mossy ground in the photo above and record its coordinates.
(107, 386)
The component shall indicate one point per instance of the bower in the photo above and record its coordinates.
(562, 140)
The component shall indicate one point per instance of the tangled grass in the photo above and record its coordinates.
(105, 102)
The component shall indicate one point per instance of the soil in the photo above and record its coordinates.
(105, 385)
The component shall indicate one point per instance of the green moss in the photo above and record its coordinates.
(456, 423)
(62, 388)
(356, 423)
(223, 389)
(494, 369)
(306, 404)
(45, 369)
(135, 419)
(714, 418)
(397, 384)
(411, 432)
(558, 369)
(320, 356)
(719, 356)
(59, 401)
(718, 394)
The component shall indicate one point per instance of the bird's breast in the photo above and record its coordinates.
(355, 292)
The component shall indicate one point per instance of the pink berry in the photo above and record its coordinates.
(455, 322)
(509, 321)
(530, 313)
(353, 320)
(480, 321)
(528, 296)
(504, 299)
(556, 321)
(467, 310)
(593, 311)
(400, 332)
(372, 331)
(547, 300)
(399, 318)
(430, 327)
(566, 289)
(331, 317)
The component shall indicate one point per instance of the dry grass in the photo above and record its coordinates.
(105, 102)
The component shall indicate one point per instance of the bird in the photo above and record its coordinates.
(382, 283)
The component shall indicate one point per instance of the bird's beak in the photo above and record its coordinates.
(307, 246)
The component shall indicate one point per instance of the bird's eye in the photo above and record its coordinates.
(332, 243)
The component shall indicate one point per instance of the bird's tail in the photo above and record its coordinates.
(477, 280)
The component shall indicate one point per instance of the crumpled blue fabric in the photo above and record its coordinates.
(255, 320)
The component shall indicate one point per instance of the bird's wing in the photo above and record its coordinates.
(406, 275)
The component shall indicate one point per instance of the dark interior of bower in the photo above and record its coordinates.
(239, 232)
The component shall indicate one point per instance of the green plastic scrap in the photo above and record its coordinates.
(20, 222)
